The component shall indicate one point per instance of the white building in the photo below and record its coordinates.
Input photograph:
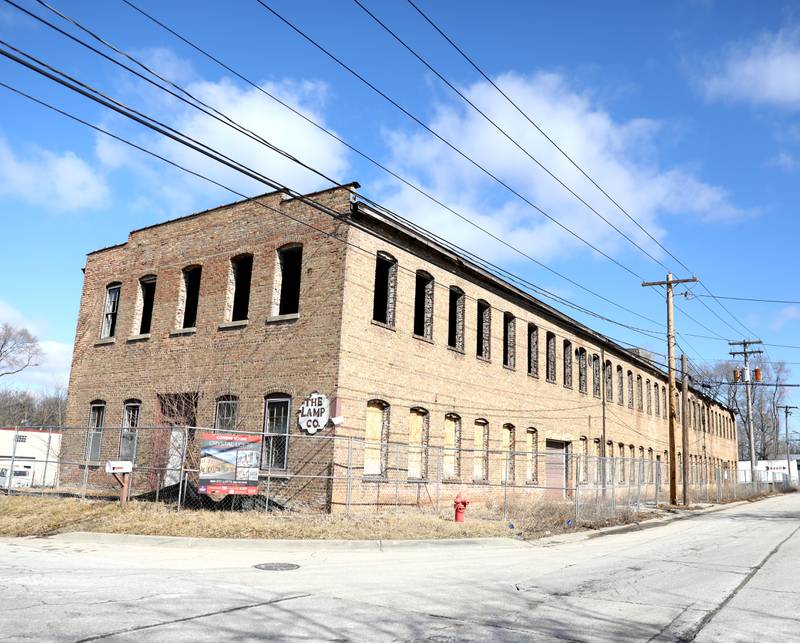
(769, 470)
(34, 453)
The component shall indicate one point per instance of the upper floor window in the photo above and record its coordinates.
(609, 378)
(227, 413)
(384, 293)
(423, 305)
(583, 385)
(649, 398)
(189, 297)
(144, 304)
(455, 319)
(509, 340)
(596, 375)
(656, 399)
(533, 350)
(484, 330)
(239, 278)
(550, 366)
(286, 290)
(630, 389)
(665, 409)
(567, 358)
(110, 310)
(620, 387)
(639, 400)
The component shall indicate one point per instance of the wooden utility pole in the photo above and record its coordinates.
(746, 352)
(669, 283)
(788, 411)
(684, 429)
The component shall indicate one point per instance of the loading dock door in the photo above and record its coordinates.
(555, 467)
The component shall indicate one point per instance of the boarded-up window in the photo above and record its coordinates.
(417, 443)
(630, 389)
(567, 361)
(532, 455)
(609, 377)
(375, 438)
(480, 450)
(658, 404)
(551, 358)
(596, 375)
(451, 461)
(508, 448)
(583, 376)
(649, 398)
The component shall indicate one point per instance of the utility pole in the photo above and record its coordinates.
(746, 352)
(684, 429)
(788, 411)
(669, 283)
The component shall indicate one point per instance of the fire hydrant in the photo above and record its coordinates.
(460, 504)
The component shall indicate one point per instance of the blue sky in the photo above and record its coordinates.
(688, 113)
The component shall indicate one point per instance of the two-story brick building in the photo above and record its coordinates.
(440, 370)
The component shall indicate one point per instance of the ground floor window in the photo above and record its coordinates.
(417, 444)
(375, 438)
(128, 437)
(94, 434)
(451, 455)
(480, 453)
(276, 432)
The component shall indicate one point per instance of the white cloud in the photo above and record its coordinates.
(784, 316)
(785, 161)
(619, 155)
(763, 71)
(53, 366)
(60, 182)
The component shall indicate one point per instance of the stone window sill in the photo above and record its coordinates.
(105, 341)
(452, 481)
(374, 477)
(383, 325)
(422, 338)
(278, 319)
(138, 338)
(481, 358)
(534, 375)
(457, 351)
(509, 368)
(231, 325)
(183, 331)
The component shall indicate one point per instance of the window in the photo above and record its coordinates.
(178, 409)
(286, 289)
(584, 461)
(110, 311)
(632, 462)
(383, 296)
(639, 401)
(423, 305)
(418, 444)
(620, 387)
(532, 455)
(567, 358)
(596, 375)
(144, 304)
(649, 398)
(275, 454)
(376, 438)
(455, 319)
(451, 461)
(509, 340)
(189, 297)
(621, 466)
(583, 385)
(650, 470)
(630, 389)
(480, 450)
(227, 413)
(551, 358)
(533, 350)
(508, 468)
(483, 338)
(239, 278)
(664, 407)
(609, 377)
(131, 411)
(655, 393)
(94, 434)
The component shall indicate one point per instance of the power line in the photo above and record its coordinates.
(753, 299)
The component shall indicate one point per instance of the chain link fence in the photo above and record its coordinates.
(195, 468)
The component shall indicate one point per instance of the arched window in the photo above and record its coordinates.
(649, 398)
(639, 401)
(376, 438)
(596, 375)
(551, 358)
(620, 387)
(658, 405)
(94, 434)
(609, 377)
(277, 414)
(508, 448)
(423, 305)
(418, 444)
(533, 350)
(584, 462)
(630, 389)
(227, 413)
(567, 357)
(385, 291)
(583, 385)
(664, 407)
(480, 450)
(451, 460)
(532, 455)
(131, 411)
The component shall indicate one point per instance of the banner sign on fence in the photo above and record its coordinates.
(314, 413)
(229, 463)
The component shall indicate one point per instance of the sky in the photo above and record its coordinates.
(686, 113)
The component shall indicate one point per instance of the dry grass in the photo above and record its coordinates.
(20, 516)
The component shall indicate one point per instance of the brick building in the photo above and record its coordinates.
(438, 368)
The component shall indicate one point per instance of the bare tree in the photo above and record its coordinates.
(18, 349)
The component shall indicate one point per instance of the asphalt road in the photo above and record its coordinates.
(728, 575)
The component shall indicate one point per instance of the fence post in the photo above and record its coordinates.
(625, 463)
(10, 475)
(639, 485)
(658, 480)
(718, 481)
(577, 487)
(269, 473)
(182, 483)
(85, 465)
(505, 489)
(349, 474)
(46, 457)
(613, 486)
(438, 480)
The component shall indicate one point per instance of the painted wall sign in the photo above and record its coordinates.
(314, 413)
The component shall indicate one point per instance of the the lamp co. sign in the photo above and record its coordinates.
(313, 415)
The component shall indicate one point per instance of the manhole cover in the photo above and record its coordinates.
(277, 567)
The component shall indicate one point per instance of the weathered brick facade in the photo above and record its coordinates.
(334, 346)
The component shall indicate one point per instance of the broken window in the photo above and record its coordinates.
(131, 411)
(227, 413)
(664, 407)
(423, 305)
(383, 296)
(596, 375)
(509, 340)
(178, 409)
(276, 431)
(147, 294)
(532, 455)
(630, 389)
(189, 297)
(286, 289)
(376, 438)
(483, 339)
(620, 387)
(455, 319)
(239, 278)
(609, 377)
(451, 461)
(639, 400)
(110, 310)
(508, 448)
(649, 398)
(417, 444)
(480, 450)
(551, 357)
(533, 350)
(94, 433)
(583, 376)
(655, 393)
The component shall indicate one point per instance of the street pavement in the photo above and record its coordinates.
(728, 575)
